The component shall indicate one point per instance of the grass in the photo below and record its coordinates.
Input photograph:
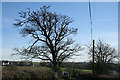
(32, 67)
(78, 70)
(42, 72)
(36, 63)
(26, 72)
(49, 69)
(35, 71)
(84, 70)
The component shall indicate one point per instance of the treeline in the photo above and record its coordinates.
(77, 65)
(80, 65)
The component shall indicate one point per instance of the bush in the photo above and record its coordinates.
(101, 68)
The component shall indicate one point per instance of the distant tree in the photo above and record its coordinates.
(103, 55)
(50, 32)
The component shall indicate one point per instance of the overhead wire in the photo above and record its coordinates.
(90, 21)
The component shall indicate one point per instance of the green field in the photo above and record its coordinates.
(78, 70)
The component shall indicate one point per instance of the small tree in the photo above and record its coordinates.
(52, 31)
(103, 55)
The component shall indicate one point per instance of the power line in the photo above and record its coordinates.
(90, 21)
(91, 37)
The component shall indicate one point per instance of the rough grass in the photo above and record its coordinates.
(26, 72)
(42, 72)
(36, 72)
(32, 67)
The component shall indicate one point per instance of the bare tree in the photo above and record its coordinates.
(103, 55)
(103, 52)
(50, 32)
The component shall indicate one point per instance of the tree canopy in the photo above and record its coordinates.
(51, 33)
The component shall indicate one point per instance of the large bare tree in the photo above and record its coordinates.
(50, 32)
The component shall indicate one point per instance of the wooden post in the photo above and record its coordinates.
(93, 58)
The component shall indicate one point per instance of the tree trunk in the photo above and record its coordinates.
(55, 75)
(55, 71)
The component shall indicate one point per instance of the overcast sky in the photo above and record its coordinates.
(104, 17)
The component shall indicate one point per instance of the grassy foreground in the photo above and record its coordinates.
(26, 72)
(35, 72)
(44, 73)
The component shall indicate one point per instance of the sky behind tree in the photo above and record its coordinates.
(104, 17)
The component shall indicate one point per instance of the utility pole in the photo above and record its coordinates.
(93, 58)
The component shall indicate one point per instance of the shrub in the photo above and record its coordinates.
(101, 68)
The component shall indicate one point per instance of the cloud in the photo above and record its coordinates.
(109, 37)
(7, 20)
(6, 54)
